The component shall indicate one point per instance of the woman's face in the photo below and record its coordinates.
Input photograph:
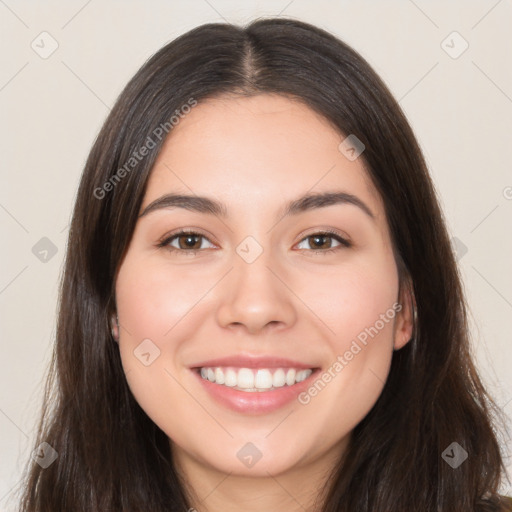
(261, 284)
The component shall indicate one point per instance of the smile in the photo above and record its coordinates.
(255, 379)
(254, 391)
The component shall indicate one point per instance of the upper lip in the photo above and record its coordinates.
(253, 361)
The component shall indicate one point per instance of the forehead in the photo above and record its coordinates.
(261, 150)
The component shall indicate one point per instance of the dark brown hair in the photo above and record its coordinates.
(111, 456)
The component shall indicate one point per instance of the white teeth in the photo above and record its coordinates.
(219, 376)
(261, 379)
(230, 378)
(279, 378)
(245, 378)
(290, 377)
(301, 375)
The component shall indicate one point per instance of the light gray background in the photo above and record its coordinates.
(52, 108)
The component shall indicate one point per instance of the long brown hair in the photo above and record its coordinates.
(111, 456)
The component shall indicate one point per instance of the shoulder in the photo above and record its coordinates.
(506, 501)
(497, 503)
(504, 504)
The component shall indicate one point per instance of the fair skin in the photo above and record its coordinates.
(255, 155)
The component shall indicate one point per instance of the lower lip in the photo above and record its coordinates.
(257, 402)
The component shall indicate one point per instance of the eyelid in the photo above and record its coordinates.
(164, 240)
(327, 231)
(344, 240)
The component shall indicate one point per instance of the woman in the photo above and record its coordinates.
(260, 307)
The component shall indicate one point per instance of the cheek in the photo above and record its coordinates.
(355, 300)
(153, 298)
(359, 305)
(150, 302)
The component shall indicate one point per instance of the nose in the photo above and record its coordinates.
(255, 297)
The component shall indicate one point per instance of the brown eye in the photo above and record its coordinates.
(184, 241)
(191, 241)
(188, 241)
(323, 242)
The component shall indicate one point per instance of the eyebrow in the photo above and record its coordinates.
(212, 207)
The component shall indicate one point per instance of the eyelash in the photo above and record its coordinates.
(164, 243)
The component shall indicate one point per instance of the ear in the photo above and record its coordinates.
(114, 328)
(404, 324)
